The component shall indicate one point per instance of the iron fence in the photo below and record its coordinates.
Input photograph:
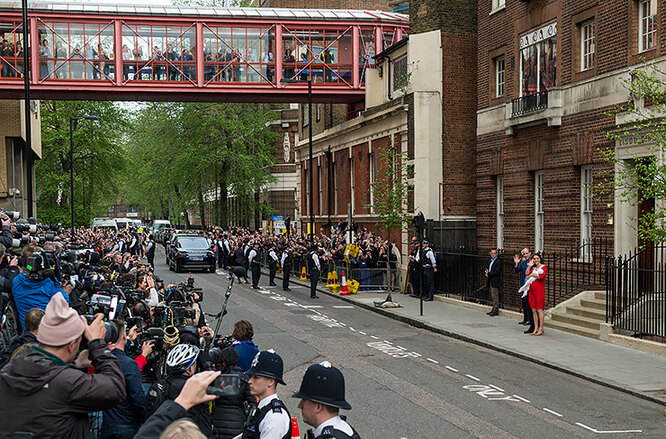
(636, 291)
(529, 103)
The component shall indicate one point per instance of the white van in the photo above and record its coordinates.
(161, 224)
(103, 223)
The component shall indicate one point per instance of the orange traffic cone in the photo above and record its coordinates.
(344, 291)
(294, 429)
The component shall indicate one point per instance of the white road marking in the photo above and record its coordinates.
(521, 398)
(432, 361)
(390, 350)
(400, 347)
(374, 336)
(352, 329)
(594, 430)
(361, 332)
(417, 354)
(495, 387)
(343, 306)
(389, 342)
(472, 377)
(488, 392)
(552, 412)
(313, 307)
(451, 369)
(265, 293)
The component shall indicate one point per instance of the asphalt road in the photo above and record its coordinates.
(404, 382)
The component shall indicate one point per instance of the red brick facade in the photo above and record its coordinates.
(558, 148)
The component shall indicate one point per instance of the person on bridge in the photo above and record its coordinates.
(254, 259)
(322, 394)
(269, 419)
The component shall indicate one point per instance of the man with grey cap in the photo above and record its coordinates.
(43, 393)
(322, 394)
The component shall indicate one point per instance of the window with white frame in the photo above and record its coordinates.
(647, 25)
(500, 212)
(306, 115)
(538, 211)
(371, 157)
(498, 4)
(538, 60)
(587, 45)
(500, 76)
(586, 204)
(351, 172)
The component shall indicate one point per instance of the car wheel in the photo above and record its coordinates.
(212, 269)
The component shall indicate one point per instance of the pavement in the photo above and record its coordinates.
(621, 368)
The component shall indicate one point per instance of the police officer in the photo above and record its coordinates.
(272, 264)
(269, 419)
(429, 270)
(150, 250)
(315, 268)
(286, 263)
(254, 259)
(322, 394)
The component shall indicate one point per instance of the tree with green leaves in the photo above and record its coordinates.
(99, 160)
(643, 178)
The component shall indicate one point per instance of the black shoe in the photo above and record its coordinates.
(255, 288)
(523, 322)
(490, 312)
(529, 331)
(272, 285)
(286, 289)
(527, 323)
(314, 297)
(413, 295)
(493, 313)
(429, 299)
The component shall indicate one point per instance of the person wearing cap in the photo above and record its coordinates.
(269, 419)
(429, 269)
(6, 236)
(315, 268)
(42, 393)
(322, 395)
(272, 264)
(254, 259)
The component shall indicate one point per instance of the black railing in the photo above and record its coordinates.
(636, 291)
(568, 273)
(529, 103)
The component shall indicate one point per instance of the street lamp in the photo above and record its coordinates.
(71, 160)
(294, 81)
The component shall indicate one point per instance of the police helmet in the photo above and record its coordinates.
(181, 357)
(267, 364)
(324, 384)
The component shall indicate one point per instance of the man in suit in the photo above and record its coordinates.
(493, 273)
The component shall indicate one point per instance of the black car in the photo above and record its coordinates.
(190, 251)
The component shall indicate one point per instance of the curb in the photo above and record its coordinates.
(424, 325)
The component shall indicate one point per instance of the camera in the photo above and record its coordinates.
(110, 306)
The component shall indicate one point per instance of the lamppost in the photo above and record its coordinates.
(294, 81)
(71, 160)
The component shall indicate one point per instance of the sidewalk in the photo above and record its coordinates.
(638, 373)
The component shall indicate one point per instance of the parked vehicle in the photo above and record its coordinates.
(103, 223)
(187, 251)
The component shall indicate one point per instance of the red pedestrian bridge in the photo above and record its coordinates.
(183, 53)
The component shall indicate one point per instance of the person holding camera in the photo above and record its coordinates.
(42, 393)
(6, 235)
(123, 421)
(36, 285)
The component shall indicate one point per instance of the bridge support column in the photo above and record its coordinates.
(200, 54)
(34, 50)
(355, 57)
(379, 40)
(278, 56)
(118, 43)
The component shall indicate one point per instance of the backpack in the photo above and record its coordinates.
(157, 394)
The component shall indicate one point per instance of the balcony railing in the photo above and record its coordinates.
(530, 103)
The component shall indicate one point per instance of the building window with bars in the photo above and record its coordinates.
(587, 46)
(306, 115)
(500, 76)
(647, 25)
(538, 211)
(500, 212)
(586, 205)
(400, 74)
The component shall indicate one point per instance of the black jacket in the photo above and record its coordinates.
(168, 412)
(495, 273)
(229, 413)
(50, 399)
(200, 414)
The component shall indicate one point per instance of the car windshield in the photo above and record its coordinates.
(193, 242)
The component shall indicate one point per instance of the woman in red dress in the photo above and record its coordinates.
(537, 294)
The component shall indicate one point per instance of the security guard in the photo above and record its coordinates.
(286, 263)
(269, 419)
(272, 264)
(429, 270)
(322, 394)
(254, 259)
(315, 268)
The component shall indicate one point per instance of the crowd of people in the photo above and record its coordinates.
(81, 368)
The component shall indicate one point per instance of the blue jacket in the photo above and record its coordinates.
(246, 350)
(522, 266)
(30, 294)
(130, 411)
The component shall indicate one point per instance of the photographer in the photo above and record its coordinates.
(6, 235)
(44, 393)
(36, 284)
(123, 421)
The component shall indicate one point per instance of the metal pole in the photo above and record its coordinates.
(71, 169)
(311, 163)
(330, 182)
(26, 87)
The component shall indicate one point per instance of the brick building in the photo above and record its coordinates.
(14, 185)
(549, 72)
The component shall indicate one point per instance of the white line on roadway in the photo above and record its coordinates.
(352, 329)
(432, 361)
(417, 354)
(552, 412)
(388, 342)
(451, 369)
(343, 306)
(361, 332)
(374, 336)
(594, 430)
(312, 307)
(495, 387)
(521, 398)
(472, 377)
(401, 347)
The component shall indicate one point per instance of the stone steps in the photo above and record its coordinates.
(581, 315)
